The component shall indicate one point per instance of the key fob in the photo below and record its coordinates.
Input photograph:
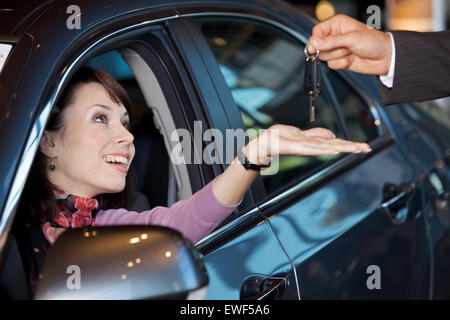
(312, 77)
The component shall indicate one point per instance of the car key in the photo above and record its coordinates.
(311, 83)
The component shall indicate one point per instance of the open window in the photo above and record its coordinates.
(158, 181)
(156, 112)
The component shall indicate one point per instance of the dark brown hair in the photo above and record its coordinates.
(38, 198)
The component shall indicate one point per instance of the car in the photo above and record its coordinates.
(348, 226)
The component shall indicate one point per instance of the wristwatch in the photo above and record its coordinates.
(251, 166)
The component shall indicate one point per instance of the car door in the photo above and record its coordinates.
(243, 252)
(156, 48)
(426, 133)
(349, 223)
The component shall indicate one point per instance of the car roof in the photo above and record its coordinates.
(18, 16)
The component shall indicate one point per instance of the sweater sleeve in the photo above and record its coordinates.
(194, 217)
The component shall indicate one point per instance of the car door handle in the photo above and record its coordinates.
(263, 288)
(395, 201)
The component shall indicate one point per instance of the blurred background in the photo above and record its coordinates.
(417, 15)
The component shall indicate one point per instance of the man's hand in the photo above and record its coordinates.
(346, 43)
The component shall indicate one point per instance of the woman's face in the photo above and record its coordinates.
(94, 135)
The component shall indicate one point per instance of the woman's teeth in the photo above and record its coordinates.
(117, 159)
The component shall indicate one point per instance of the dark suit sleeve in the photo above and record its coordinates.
(422, 67)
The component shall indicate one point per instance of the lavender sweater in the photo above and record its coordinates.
(195, 217)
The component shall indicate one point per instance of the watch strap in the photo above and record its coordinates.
(251, 166)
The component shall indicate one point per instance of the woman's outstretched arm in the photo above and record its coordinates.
(197, 216)
(231, 185)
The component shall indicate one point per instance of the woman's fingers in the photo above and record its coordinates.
(291, 140)
(294, 133)
(308, 148)
(319, 133)
(350, 145)
(317, 146)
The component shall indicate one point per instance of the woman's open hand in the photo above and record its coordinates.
(281, 140)
(286, 140)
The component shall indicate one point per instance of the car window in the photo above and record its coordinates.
(360, 122)
(264, 67)
(149, 144)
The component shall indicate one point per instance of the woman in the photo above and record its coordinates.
(80, 174)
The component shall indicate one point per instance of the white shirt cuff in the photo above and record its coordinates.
(388, 79)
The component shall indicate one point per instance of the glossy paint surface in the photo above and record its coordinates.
(255, 252)
(338, 232)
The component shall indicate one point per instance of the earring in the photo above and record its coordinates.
(52, 165)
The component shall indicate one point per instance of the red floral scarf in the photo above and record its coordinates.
(74, 212)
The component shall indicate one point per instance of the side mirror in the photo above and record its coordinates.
(122, 262)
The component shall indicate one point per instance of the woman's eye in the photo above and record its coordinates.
(102, 118)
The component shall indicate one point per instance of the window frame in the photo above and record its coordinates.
(68, 64)
(298, 188)
(368, 103)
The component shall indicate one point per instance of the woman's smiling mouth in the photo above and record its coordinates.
(117, 161)
(118, 167)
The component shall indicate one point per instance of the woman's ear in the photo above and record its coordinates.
(47, 144)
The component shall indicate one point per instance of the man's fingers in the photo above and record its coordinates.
(338, 24)
(355, 64)
(323, 29)
(342, 63)
(333, 54)
(333, 42)
(311, 49)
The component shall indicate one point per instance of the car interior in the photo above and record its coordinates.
(152, 126)
(159, 182)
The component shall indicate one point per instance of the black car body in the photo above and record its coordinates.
(323, 229)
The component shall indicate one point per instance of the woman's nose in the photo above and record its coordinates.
(124, 135)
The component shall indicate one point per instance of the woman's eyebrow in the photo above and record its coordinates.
(109, 108)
